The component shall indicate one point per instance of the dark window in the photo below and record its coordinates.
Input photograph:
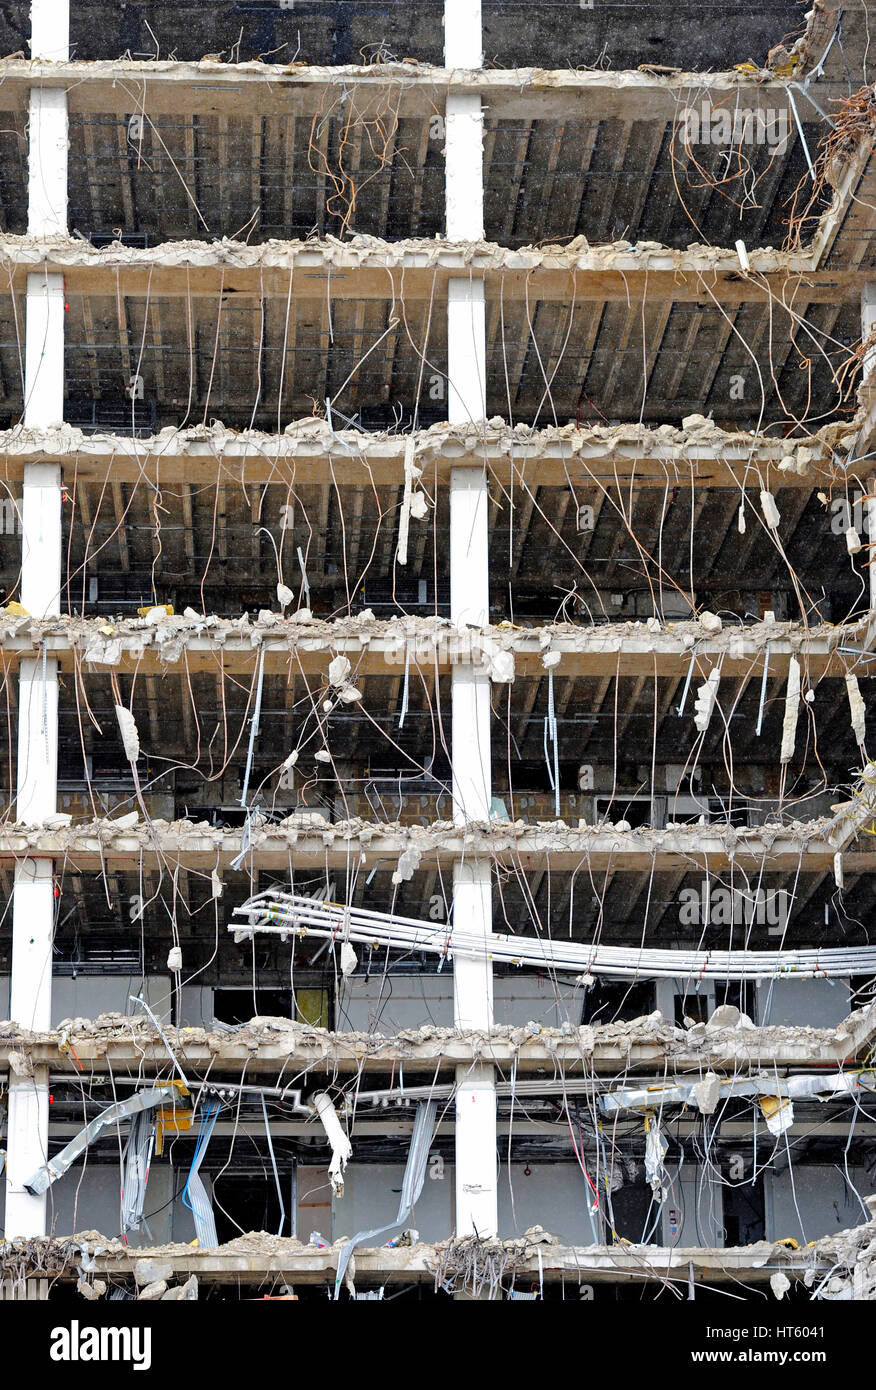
(238, 1005)
(744, 1216)
(618, 1001)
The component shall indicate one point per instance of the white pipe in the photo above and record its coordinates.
(287, 914)
(341, 1147)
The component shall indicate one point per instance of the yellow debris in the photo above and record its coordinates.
(143, 612)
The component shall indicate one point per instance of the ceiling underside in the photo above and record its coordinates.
(193, 723)
(221, 549)
(261, 177)
(389, 756)
(96, 925)
(249, 362)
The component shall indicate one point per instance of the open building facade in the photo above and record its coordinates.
(436, 448)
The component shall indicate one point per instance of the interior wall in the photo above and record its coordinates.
(87, 996)
(371, 1198)
(390, 1004)
(814, 1201)
(819, 1003)
(693, 1213)
(87, 1198)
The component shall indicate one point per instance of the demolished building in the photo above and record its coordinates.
(438, 497)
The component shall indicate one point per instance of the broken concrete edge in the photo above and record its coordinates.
(308, 835)
(822, 840)
(847, 1256)
(672, 450)
(406, 72)
(266, 1043)
(361, 251)
(162, 639)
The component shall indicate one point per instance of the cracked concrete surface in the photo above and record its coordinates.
(266, 1043)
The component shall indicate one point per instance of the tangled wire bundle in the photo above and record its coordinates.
(477, 1267)
(853, 129)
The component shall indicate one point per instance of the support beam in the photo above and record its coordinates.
(589, 457)
(47, 163)
(33, 894)
(463, 44)
(50, 31)
(169, 88)
(476, 1163)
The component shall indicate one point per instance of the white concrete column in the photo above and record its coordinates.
(44, 352)
(466, 353)
(476, 1163)
(41, 551)
(470, 747)
(464, 126)
(50, 30)
(463, 165)
(30, 1005)
(47, 162)
(463, 44)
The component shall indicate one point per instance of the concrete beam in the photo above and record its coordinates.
(269, 89)
(278, 1047)
(368, 268)
(254, 1259)
(602, 456)
(383, 647)
(96, 846)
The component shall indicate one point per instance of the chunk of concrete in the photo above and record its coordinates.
(153, 1291)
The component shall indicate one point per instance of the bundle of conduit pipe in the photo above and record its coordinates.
(289, 914)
